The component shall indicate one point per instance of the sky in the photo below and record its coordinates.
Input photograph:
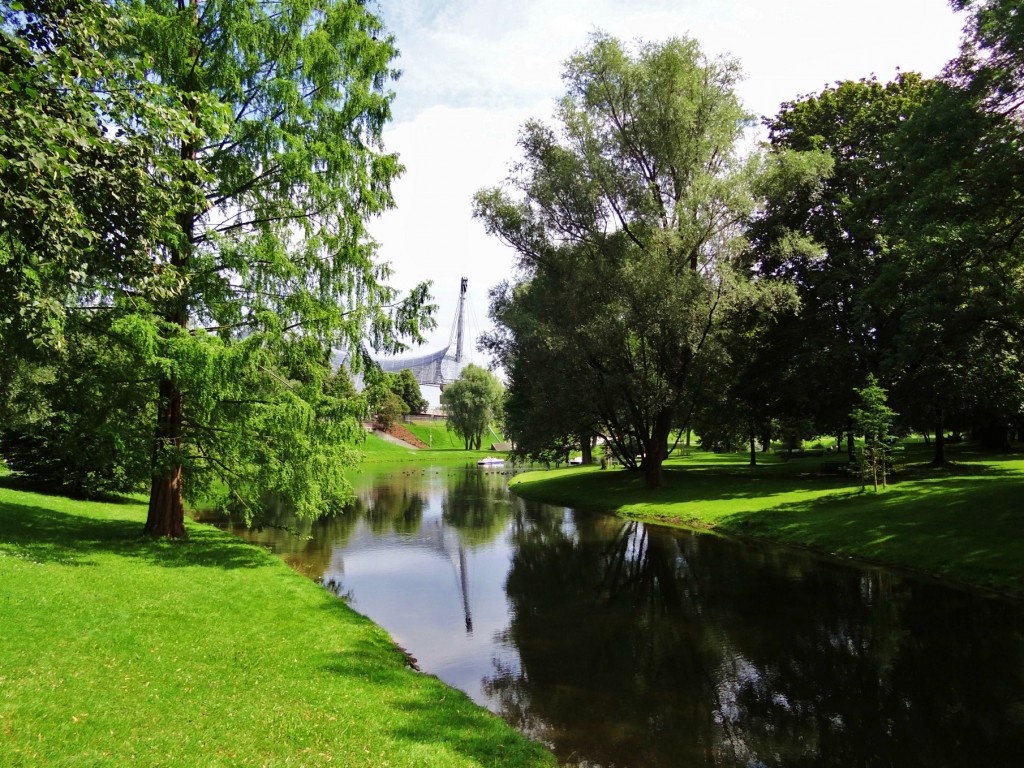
(473, 71)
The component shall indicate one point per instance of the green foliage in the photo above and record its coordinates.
(78, 204)
(872, 417)
(74, 418)
(472, 403)
(404, 385)
(391, 410)
(825, 235)
(991, 62)
(907, 258)
(956, 276)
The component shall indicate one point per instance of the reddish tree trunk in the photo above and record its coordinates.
(166, 516)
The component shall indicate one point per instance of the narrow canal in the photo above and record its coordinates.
(620, 644)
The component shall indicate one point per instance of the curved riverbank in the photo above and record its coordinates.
(115, 648)
(962, 524)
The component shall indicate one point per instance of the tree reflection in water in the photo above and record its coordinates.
(641, 647)
(476, 506)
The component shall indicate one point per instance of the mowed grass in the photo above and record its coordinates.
(436, 434)
(965, 523)
(116, 649)
(447, 447)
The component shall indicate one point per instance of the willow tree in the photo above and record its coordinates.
(472, 403)
(270, 265)
(627, 223)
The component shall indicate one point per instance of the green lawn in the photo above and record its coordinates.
(965, 524)
(446, 447)
(436, 434)
(115, 650)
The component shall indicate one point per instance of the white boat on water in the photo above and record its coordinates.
(490, 461)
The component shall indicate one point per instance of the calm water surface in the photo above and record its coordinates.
(620, 644)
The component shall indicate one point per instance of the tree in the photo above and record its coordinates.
(78, 214)
(956, 265)
(404, 385)
(472, 403)
(629, 222)
(231, 300)
(991, 60)
(873, 418)
(391, 410)
(274, 247)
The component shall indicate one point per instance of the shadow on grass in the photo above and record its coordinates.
(729, 481)
(969, 528)
(48, 535)
(432, 713)
(18, 483)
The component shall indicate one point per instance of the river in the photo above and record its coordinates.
(622, 644)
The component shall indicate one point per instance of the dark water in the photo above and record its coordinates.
(620, 644)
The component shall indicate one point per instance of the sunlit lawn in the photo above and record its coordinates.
(446, 447)
(965, 523)
(116, 650)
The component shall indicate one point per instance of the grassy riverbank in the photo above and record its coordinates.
(965, 523)
(116, 649)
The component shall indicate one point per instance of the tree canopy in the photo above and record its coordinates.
(259, 129)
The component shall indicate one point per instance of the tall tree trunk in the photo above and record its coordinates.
(939, 457)
(166, 515)
(874, 470)
(656, 449)
(653, 476)
(850, 454)
(753, 449)
(586, 446)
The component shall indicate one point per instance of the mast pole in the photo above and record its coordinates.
(460, 320)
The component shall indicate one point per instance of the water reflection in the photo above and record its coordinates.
(627, 645)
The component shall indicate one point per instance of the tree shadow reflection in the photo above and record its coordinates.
(639, 646)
